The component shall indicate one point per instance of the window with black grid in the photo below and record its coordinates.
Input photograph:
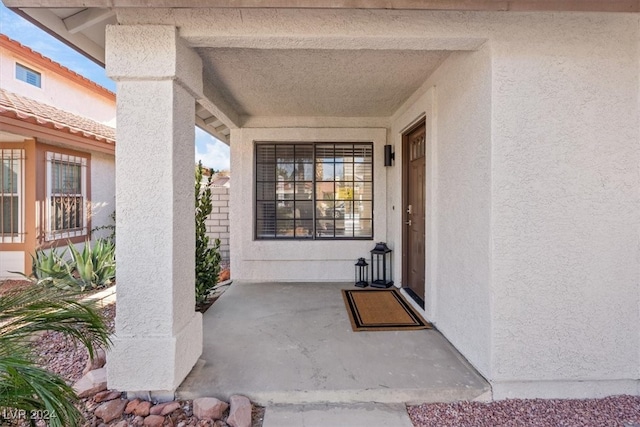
(314, 191)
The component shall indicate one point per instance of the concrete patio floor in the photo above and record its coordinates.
(292, 343)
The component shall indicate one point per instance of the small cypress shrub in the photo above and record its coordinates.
(207, 257)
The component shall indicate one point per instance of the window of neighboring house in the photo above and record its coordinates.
(11, 195)
(314, 191)
(28, 75)
(66, 190)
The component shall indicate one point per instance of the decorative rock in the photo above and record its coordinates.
(169, 408)
(142, 408)
(103, 396)
(131, 406)
(122, 423)
(91, 383)
(154, 421)
(224, 275)
(98, 361)
(209, 408)
(138, 421)
(240, 412)
(110, 410)
(157, 409)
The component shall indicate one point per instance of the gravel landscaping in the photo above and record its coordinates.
(618, 411)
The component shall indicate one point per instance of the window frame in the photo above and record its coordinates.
(14, 154)
(314, 236)
(82, 162)
(28, 71)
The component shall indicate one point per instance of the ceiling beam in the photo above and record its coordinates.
(212, 131)
(218, 107)
(87, 18)
(52, 24)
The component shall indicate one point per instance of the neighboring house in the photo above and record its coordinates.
(512, 206)
(57, 153)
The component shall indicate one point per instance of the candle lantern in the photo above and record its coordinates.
(381, 266)
(362, 279)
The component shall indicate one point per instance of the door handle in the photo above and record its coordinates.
(408, 223)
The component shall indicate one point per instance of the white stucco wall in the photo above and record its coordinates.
(456, 101)
(56, 90)
(534, 220)
(157, 340)
(103, 192)
(565, 293)
(297, 260)
(11, 261)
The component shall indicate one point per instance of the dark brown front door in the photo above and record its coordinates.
(414, 168)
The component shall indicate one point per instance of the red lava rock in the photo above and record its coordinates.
(142, 408)
(103, 396)
(98, 361)
(209, 408)
(131, 406)
(91, 383)
(154, 421)
(110, 410)
(608, 411)
(138, 421)
(224, 275)
(159, 408)
(122, 423)
(240, 412)
(170, 407)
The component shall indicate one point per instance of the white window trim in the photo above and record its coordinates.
(55, 235)
(12, 153)
(30, 68)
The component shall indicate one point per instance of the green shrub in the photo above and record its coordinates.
(207, 258)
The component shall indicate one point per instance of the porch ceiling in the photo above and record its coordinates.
(266, 62)
(317, 82)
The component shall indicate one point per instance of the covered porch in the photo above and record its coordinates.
(527, 177)
(292, 343)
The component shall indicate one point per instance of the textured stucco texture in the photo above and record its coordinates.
(158, 335)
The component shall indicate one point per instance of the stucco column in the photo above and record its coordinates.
(158, 335)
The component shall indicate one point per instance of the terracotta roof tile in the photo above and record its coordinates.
(14, 105)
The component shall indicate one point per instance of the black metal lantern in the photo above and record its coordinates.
(362, 279)
(381, 266)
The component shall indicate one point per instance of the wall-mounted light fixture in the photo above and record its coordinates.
(389, 156)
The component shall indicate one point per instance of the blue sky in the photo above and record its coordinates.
(212, 152)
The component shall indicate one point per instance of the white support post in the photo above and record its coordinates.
(158, 335)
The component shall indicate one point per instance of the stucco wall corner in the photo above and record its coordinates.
(152, 52)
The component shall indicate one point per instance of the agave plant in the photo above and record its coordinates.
(95, 267)
(50, 268)
(23, 385)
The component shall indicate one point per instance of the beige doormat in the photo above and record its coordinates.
(381, 310)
